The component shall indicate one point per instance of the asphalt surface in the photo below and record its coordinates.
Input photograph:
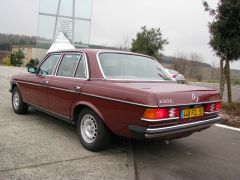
(37, 146)
(211, 154)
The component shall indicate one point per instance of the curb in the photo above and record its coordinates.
(131, 163)
(228, 127)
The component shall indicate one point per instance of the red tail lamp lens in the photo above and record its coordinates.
(174, 76)
(213, 107)
(218, 106)
(162, 113)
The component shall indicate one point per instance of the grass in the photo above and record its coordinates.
(232, 108)
(237, 82)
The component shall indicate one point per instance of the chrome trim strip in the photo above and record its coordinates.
(46, 57)
(112, 99)
(213, 112)
(159, 120)
(117, 100)
(186, 125)
(61, 89)
(190, 104)
(177, 131)
(48, 110)
(85, 64)
(51, 87)
(75, 70)
(35, 84)
(139, 80)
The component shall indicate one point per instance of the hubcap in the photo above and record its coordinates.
(88, 128)
(16, 100)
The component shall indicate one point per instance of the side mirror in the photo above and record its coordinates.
(32, 70)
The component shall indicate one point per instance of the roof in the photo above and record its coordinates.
(95, 51)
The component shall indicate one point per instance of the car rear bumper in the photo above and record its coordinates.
(158, 132)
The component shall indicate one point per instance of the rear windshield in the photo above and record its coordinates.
(117, 66)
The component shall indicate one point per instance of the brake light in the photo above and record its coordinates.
(174, 75)
(213, 107)
(161, 113)
(218, 106)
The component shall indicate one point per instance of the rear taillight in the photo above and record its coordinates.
(213, 107)
(174, 75)
(218, 106)
(161, 113)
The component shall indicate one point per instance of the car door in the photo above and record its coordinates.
(65, 86)
(37, 85)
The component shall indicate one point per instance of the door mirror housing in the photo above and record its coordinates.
(32, 70)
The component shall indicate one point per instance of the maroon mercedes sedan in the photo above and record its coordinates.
(112, 92)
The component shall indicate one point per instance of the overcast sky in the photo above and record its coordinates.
(183, 23)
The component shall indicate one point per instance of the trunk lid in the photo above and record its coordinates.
(171, 94)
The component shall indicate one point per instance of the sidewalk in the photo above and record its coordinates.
(9, 71)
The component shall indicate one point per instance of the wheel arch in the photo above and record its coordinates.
(13, 85)
(81, 105)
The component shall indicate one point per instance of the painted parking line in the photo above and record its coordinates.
(227, 127)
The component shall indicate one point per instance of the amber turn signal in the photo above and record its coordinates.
(158, 113)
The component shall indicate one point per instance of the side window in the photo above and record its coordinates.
(49, 64)
(81, 69)
(68, 65)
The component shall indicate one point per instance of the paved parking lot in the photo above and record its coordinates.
(211, 154)
(37, 146)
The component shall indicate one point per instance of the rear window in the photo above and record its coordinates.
(119, 66)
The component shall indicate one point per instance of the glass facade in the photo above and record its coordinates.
(72, 17)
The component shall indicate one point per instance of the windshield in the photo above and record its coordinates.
(131, 67)
(173, 71)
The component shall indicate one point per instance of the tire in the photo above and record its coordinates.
(92, 132)
(18, 105)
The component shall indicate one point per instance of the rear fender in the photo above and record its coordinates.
(86, 104)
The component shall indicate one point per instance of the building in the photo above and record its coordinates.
(30, 52)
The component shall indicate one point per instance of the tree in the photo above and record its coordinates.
(194, 68)
(225, 37)
(32, 62)
(189, 66)
(149, 42)
(17, 58)
(180, 63)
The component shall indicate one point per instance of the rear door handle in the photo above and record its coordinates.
(77, 87)
(46, 82)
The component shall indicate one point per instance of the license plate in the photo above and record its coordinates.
(190, 113)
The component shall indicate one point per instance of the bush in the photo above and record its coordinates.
(237, 82)
(232, 108)
(32, 63)
(17, 58)
(7, 61)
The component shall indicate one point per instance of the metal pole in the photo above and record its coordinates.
(56, 21)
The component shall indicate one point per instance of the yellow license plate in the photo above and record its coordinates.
(190, 113)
